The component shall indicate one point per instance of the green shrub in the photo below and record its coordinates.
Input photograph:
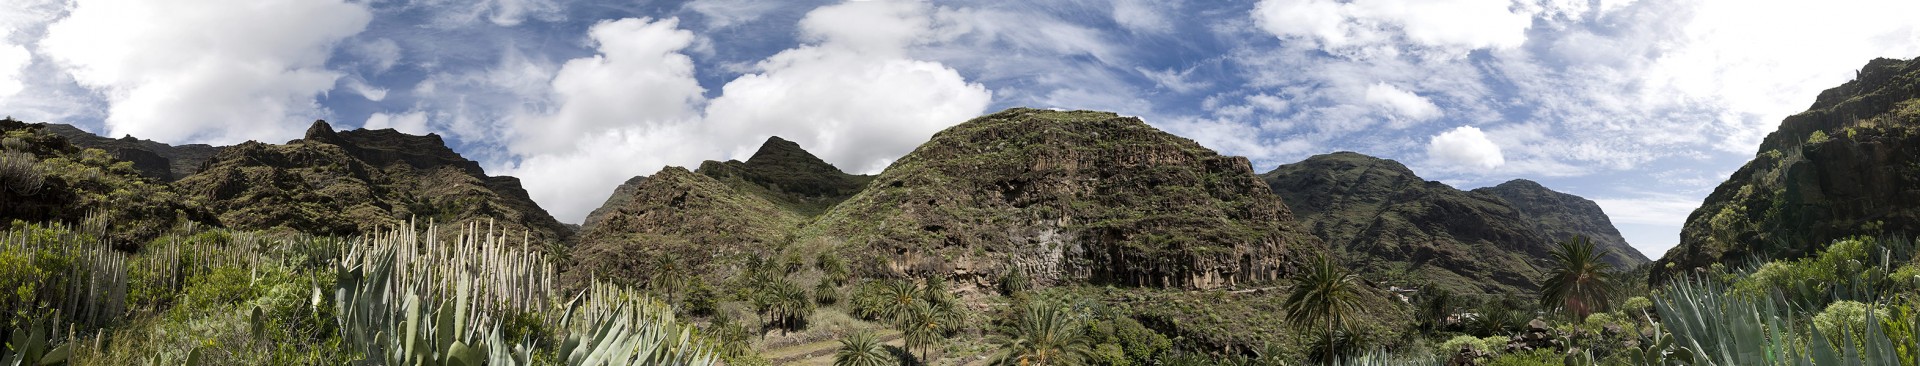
(1846, 319)
(1817, 137)
(1538, 357)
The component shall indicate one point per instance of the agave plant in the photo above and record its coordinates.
(623, 327)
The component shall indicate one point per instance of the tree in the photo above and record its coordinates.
(861, 349)
(1326, 297)
(1047, 334)
(926, 323)
(1578, 282)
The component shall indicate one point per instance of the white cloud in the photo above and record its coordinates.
(725, 13)
(1178, 81)
(640, 78)
(1464, 148)
(205, 71)
(1143, 15)
(853, 99)
(1388, 28)
(380, 54)
(411, 122)
(1665, 210)
(358, 86)
(505, 13)
(13, 60)
(1403, 103)
(851, 96)
(1737, 57)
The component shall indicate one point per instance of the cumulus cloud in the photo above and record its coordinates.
(379, 54)
(13, 59)
(1403, 103)
(853, 98)
(850, 95)
(640, 78)
(205, 71)
(411, 122)
(1386, 28)
(1464, 147)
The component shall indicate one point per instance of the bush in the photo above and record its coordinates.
(1538, 357)
(1846, 319)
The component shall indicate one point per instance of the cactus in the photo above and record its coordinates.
(33, 347)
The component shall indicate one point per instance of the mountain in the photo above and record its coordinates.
(789, 176)
(1069, 197)
(621, 194)
(1385, 219)
(1561, 216)
(680, 218)
(44, 177)
(150, 158)
(1849, 165)
(345, 183)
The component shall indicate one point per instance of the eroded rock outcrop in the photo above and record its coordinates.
(345, 183)
(1070, 197)
(152, 159)
(1849, 165)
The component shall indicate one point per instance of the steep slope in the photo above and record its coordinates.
(621, 195)
(1069, 197)
(783, 173)
(343, 183)
(1382, 218)
(1848, 165)
(152, 159)
(43, 177)
(1561, 216)
(680, 218)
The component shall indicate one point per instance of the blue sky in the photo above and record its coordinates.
(1642, 105)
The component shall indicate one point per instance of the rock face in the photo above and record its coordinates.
(152, 159)
(1849, 165)
(344, 183)
(1383, 218)
(1070, 197)
(783, 173)
(679, 218)
(1562, 216)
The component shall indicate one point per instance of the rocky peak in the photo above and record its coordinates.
(1070, 197)
(343, 183)
(320, 131)
(621, 195)
(787, 175)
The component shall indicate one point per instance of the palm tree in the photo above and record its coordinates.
(1046, 335)
(897, 299)
(1326, 296)
(1579, 282)
(926, 323)
(861, 349)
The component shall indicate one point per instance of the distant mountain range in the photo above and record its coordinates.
(1383, 218)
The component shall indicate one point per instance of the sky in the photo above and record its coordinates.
(1642, 106)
